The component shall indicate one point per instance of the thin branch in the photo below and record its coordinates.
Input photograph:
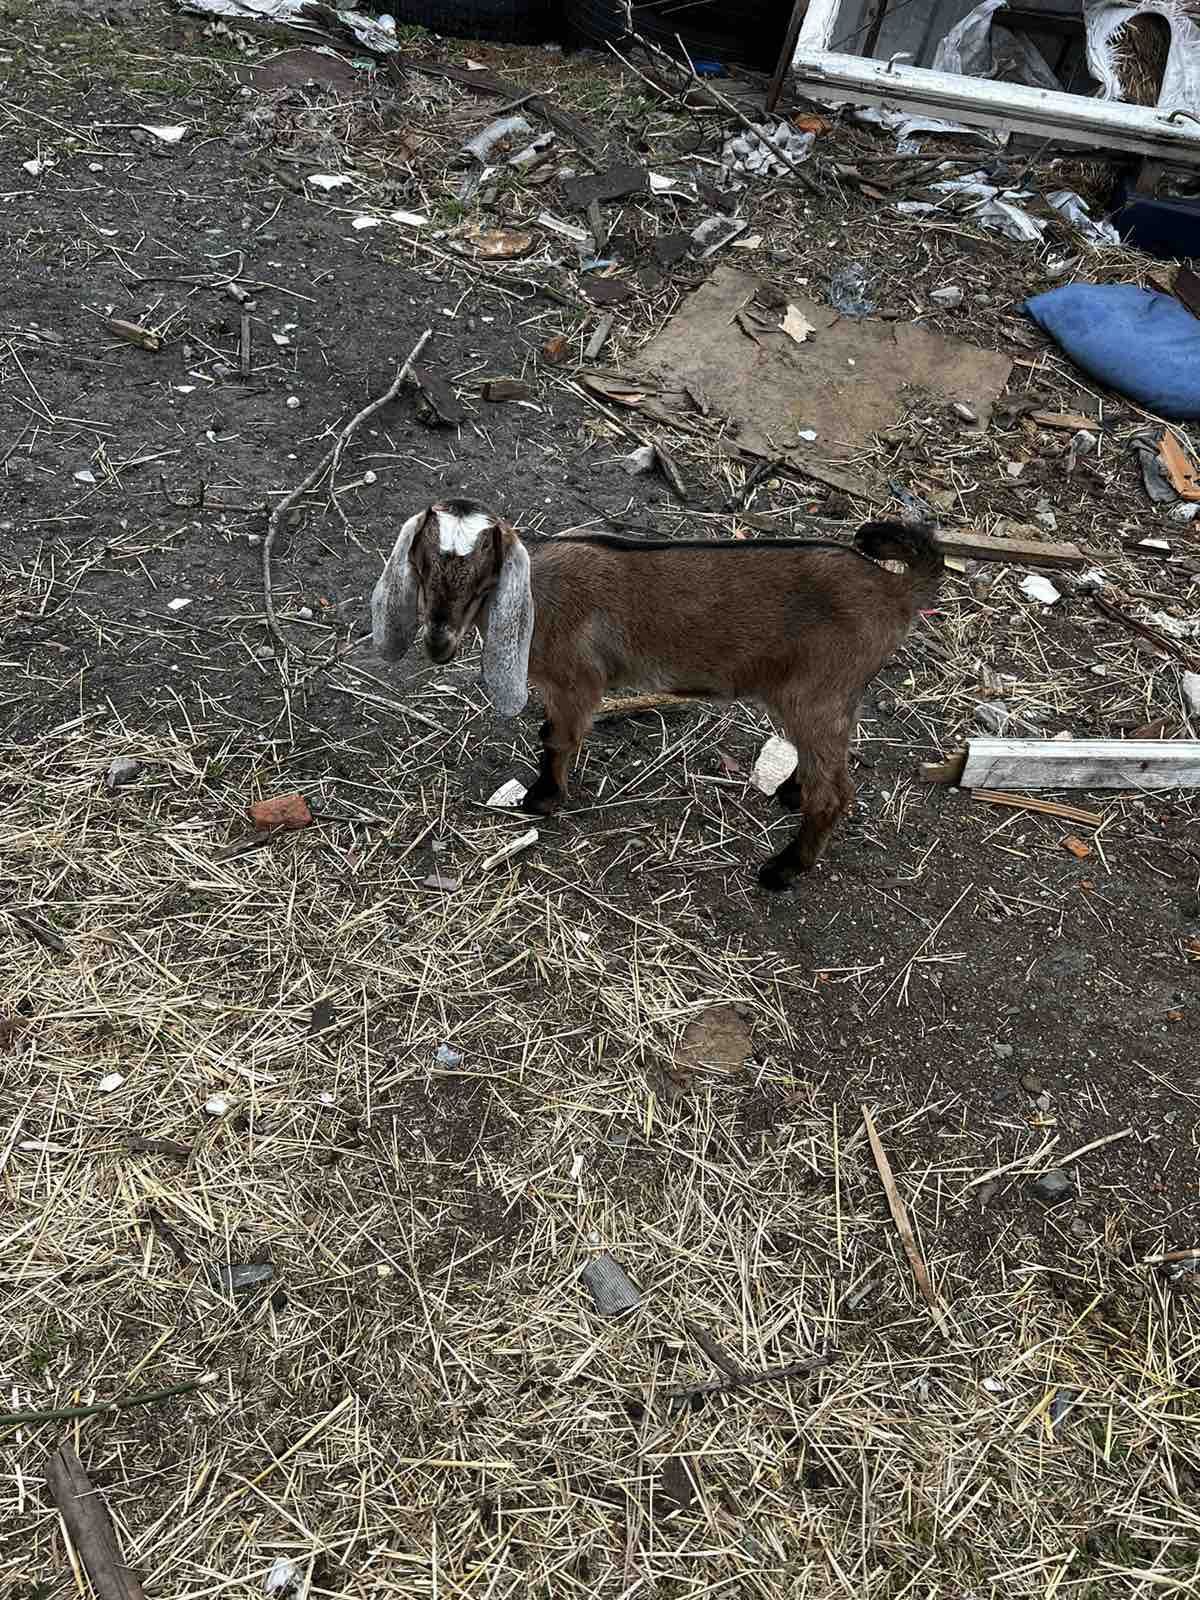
(14, 1419)
(328, 463)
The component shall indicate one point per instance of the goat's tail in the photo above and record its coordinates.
(914, 545)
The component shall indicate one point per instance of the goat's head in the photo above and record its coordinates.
(461, 566)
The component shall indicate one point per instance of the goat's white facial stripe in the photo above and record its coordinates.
(458, 536)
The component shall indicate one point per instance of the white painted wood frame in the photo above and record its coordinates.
(825, 74)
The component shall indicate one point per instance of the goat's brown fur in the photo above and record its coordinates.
(799, 626)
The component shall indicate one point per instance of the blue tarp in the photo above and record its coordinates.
(1142, 344)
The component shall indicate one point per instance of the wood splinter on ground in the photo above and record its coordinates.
(903, 1227)
(89, 1526)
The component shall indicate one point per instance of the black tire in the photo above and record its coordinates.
(496, 21)
(754, 40)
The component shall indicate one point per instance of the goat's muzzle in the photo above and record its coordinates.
(441, 644)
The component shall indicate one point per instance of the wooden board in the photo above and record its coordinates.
(1023, 552)
(1082, 764)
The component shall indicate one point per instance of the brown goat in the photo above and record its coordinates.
(800, 626)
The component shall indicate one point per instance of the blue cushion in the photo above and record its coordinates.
(1142, 344)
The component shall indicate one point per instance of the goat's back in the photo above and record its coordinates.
(730, 619)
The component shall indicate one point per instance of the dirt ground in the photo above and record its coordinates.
(435, 1104)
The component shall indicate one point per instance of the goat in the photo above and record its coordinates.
(800, 626)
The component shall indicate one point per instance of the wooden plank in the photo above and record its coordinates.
(1082, 764)
(1025, 552)
(825, 74)
(775, 87)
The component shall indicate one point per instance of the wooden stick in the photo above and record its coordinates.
(903, 1227)
(330, 463)
(746, 1380)
(90, 1528)
(13, 1419)
(1048, 808)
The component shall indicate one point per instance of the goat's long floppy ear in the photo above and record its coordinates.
(509, 630)
(394, 599)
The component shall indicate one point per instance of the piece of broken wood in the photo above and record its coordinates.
(1082, 764)
(948, 771)
(1179, 467)
(747, 1380)
(1070, 421)
(1047, 808)
(41, 931)
(497, 389)
(439, 406)
(1022, 552)
(90, 1528)
(903, 1226)
(132, 333)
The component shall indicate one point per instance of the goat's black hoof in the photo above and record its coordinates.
(539, 802)
(773, 877)
(790, 797)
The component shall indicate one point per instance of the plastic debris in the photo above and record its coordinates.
(713, 234)
(848, 291)
(164, 133)
(217, 1105)
(1035, 587)
(328, 180)
(1189, 687)
(508, 795)
(611, 1288)
(497, 137)
(237, 1279)
(748, 151)
(776, 761)
(446, 1056)
(284, 1578)
(109, 1082)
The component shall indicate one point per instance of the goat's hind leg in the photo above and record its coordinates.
(820, 788)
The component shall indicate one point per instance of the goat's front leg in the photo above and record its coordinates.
(564, 730)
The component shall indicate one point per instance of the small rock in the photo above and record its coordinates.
(109, 1082)
(217, 1105)
(963, 413)
(1189, 684)
(289, 811)
(122, 770)
(949, 296)
(1084, 443)
(1031, 1083)
(988, 1191)
(1003, 1051)
(1053, 1186)
(1043, 1101)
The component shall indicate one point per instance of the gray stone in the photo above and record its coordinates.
(1053, 1186)
(122, 770)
